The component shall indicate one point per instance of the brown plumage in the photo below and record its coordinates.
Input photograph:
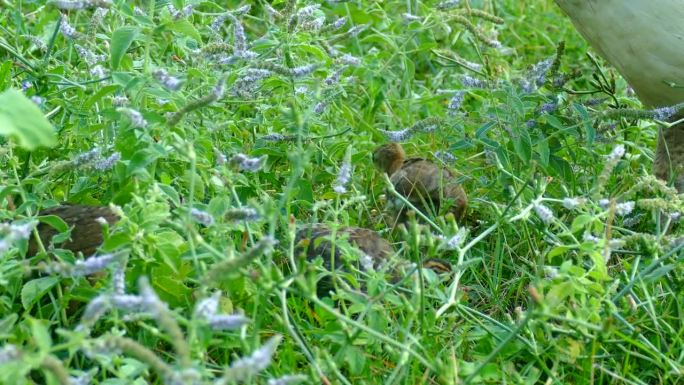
(315, 241)
(86, 232)
(426, 185)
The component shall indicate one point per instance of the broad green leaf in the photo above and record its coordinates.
(34, 289)
(7, 323)
(460, 145)
(55, 222)
(554, 122)
(517, 105)
(580, 222)
(5, 74)
(562, 167)
(168, 282)
(170, 193)
(559, 293)
(102, 92)
(304, 190)
(8, 190)
(600, 270)
(588, 128)
(658, 273)
(558, 250)
(116, 240)
(184, 27)
(482, 131)
(140, 160)
(356, 359)
(523, 146)
(41, 335)
(169, 245)
(314, 50)
(130, 368)
(21, 119)
(543, 151)
(122, 78)
(121, 40)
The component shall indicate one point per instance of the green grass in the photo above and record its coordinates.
(532, 299)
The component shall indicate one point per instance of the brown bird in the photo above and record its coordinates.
(372, 251)
(427, 186)
(86, 231)
(643, 40)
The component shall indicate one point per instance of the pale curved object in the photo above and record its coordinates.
(644, 40)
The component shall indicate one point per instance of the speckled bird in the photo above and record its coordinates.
(86, 231)
(372, 251)
(427, 186)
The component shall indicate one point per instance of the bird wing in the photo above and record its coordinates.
(371, 243)
(415, 179)
(426, 185)
(316, 240)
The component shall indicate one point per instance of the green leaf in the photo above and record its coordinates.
(122, 78)
(559, 293)
(170, 193)
(580, 222)
(55, 222)
(356, 359)
(8, 190)
(461, 144)
(34, 289)
(102, 92)
(523, 146)
(21, 119)
(588, 128)
(304, 190)
(517, 105)
(7, 323)
(543, 151)
(40, 335)
(116, 240)
(169, 245)
(121, 40)
(5, 74)
(184, 27)
(484, 129)
(658, 273)
(169, 283)
(562, 167)
(140, 160)
(558, 250)
(553, 122)
(600, 269)
(314, 50)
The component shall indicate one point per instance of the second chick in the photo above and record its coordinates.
(315, 240)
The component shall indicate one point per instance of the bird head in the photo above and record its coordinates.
(389, 157)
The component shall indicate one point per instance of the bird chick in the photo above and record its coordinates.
(373, 252)
(424, 184)
(86, 230)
